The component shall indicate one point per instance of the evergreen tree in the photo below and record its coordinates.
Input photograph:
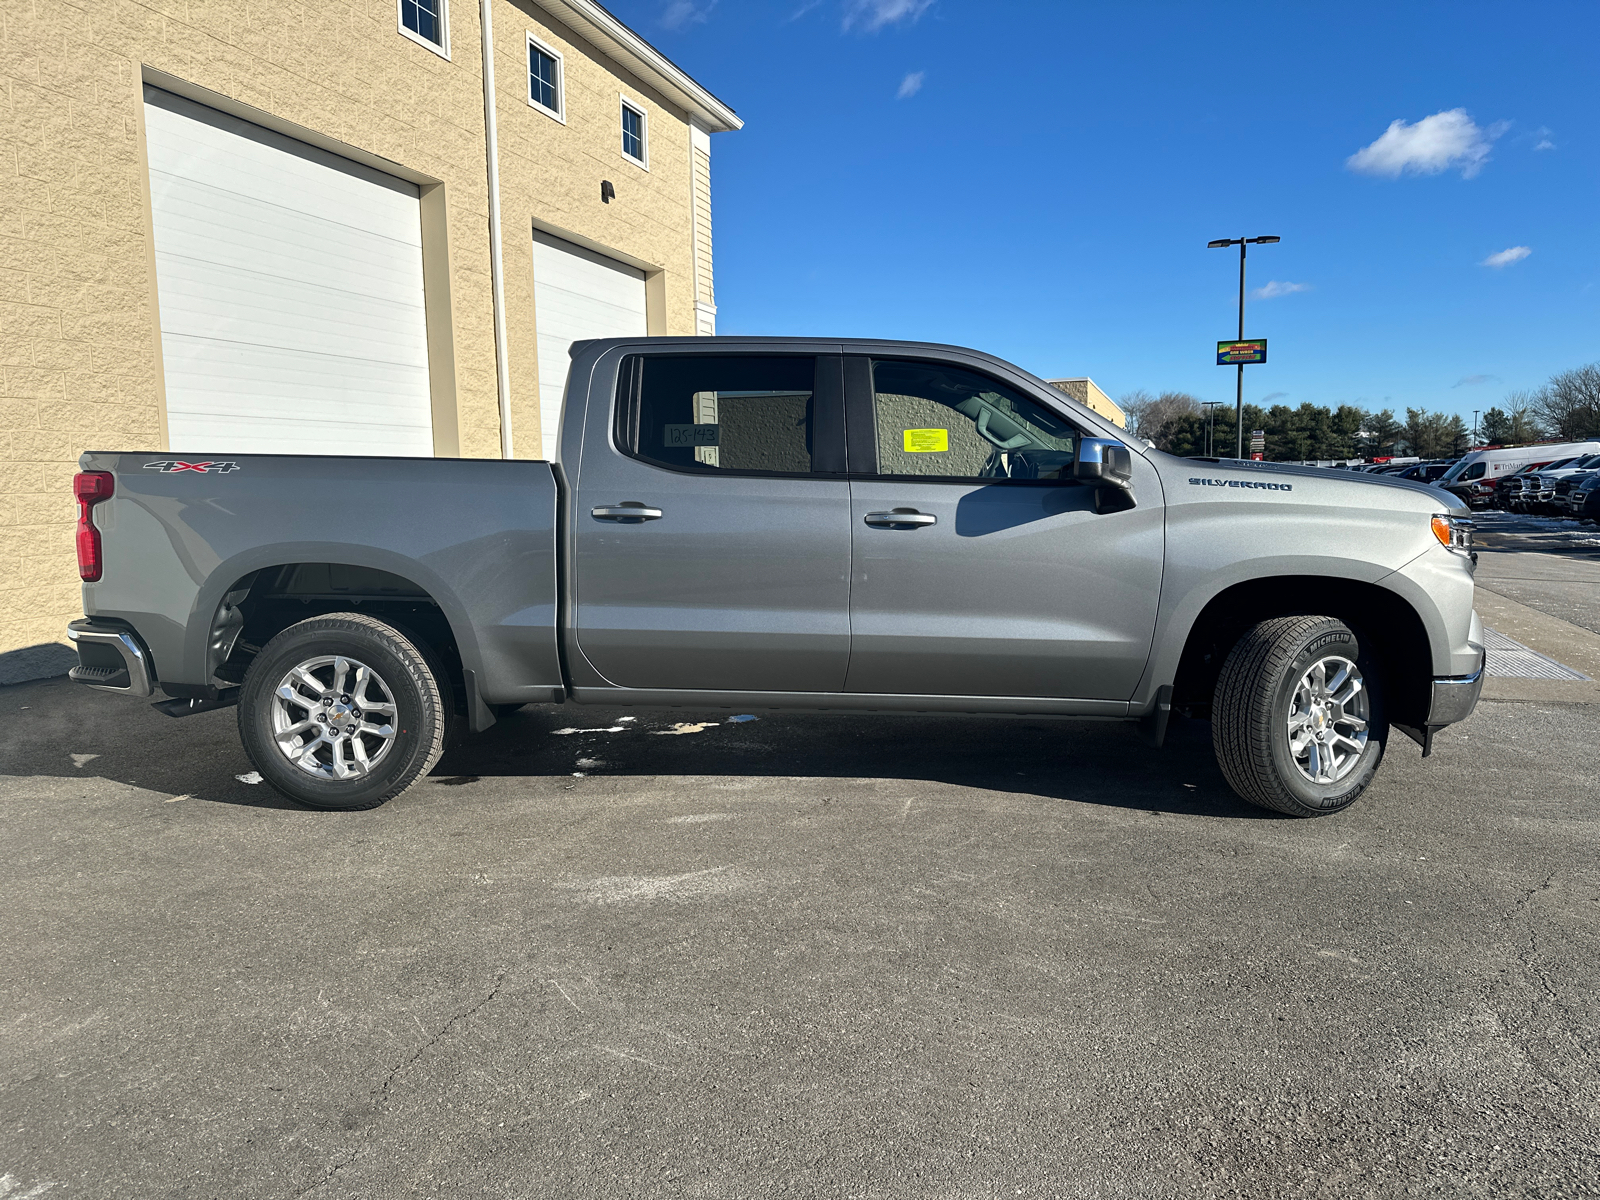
(1495, 430)
(1382, 434)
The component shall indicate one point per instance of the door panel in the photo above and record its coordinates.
(1015, 591)
(979, 566)
(742, 583)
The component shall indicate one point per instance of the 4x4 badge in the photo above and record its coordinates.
(172, 466)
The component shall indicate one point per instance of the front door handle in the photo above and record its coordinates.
(629, 512)
(900, 518)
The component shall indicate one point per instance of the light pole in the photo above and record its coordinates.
(1211, 407)
(1475, 413)
(1238, 402)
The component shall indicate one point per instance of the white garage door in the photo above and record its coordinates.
(290, 283)
(577, 294)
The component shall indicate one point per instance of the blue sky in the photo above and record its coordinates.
(1040, 180)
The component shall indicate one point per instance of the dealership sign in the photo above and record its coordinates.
(1241, 353)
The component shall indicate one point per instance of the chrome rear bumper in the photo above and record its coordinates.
(111, 658)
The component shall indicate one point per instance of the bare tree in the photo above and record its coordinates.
(1569, 405)
(1155, 417)
(1522, 424)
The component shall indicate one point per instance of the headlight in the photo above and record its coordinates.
(1454, 533)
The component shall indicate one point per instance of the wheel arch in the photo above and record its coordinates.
(248, 599)
(1382, 618)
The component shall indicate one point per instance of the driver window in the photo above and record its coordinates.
(1475, 471)
(938, 420)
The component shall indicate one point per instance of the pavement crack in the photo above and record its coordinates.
(380, 1095)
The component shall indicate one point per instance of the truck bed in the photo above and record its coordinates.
(472, 542)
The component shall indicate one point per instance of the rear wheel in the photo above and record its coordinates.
(1297, 721)
(342, 712)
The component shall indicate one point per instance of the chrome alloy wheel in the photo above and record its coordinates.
(1328, 720)
(334, 717)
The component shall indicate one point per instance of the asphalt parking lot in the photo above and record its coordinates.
(807, 956)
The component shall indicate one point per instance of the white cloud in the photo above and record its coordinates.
(1273, 288)
(1543, 135)
(680, 14)
(1506, 257)
(873, 15)
(1475, 380)
(1437, 143)
(910, 85)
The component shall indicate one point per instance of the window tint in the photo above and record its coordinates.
(424, 18)
(1475, 471)
(941, 420)
(544, 87)
(723, 412)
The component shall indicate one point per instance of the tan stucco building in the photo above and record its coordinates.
(236, 228)
(1087, 392)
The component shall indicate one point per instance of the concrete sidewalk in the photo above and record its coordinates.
(1548, 601)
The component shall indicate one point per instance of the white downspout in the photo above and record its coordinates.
(502, 371)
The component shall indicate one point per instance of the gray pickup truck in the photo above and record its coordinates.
(748, 523)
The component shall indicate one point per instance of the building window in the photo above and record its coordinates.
(428, 23)
(635, 135)
(544, 79)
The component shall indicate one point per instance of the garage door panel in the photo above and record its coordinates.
(231, 230)
(238, 306)
(280, 401)
(291, 292)
(195, 142)
(577, 295)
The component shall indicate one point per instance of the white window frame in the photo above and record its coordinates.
(559, 112)
(444, 28)
(644, 131)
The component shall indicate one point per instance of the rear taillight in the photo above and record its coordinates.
(90, 487)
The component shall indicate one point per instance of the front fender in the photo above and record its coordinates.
(1180, 609)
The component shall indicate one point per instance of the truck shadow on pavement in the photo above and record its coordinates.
(54, 728)
(1088, 762)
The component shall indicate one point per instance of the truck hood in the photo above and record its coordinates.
(1320, 485)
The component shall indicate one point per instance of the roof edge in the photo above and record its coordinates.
(626, 47)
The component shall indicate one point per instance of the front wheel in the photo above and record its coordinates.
(1297, 721)
(342, 712)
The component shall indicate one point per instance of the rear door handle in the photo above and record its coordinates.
(900, 518)
(629, 511)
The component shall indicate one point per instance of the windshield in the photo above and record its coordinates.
(1454, 473)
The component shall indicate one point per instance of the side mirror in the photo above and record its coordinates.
(1103, 461)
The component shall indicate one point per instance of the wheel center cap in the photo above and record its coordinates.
(339, 712)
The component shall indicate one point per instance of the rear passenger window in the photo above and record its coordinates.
(721, 412)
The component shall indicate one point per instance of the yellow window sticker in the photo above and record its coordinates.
(927, 441)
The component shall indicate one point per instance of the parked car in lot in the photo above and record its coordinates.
(1560, 498)
(1585, 502)
(1427, 472)
(1519, 492)
(1473, 478)
(1539, 492)
(1569, 498)
(783, 523)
